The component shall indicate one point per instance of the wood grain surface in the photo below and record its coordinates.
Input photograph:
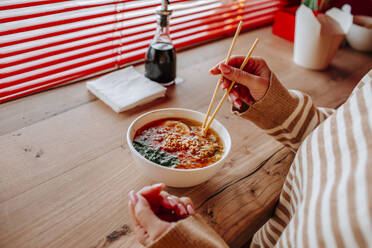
(66, 168)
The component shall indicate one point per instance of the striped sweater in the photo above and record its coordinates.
(326, 200)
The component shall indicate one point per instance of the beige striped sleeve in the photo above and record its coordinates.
(326, 200)
(190, 232)
(287, 115)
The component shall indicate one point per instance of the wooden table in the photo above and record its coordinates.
(66, 168)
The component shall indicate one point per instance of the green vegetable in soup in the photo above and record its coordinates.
(155, 155)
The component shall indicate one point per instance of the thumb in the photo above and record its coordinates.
(242, 77)
(152, 190)
(147, 218)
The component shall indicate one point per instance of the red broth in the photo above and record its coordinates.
(178, 143)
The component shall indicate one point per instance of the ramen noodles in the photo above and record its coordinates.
(178, 143)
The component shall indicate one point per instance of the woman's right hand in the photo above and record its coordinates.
(251, 83)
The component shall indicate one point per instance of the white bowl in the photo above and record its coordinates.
(360, 37)
(180, 178)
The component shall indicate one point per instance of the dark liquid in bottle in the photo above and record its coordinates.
(161, 63)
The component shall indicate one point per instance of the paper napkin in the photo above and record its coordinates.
(124, 89)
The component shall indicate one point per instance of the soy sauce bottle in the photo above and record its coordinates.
(160, 65)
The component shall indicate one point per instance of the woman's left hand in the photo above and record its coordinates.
(153, 212)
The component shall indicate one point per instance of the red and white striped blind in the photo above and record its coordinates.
(48, 43)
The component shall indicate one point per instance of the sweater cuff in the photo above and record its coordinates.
(191, 232)
(274, 108)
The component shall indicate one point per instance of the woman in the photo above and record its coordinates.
(326, 200)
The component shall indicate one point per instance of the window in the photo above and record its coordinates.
(48, 43)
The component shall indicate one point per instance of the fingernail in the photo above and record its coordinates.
(236, 94)
(190, 209)
(133, 197)
(237, 105)
(225, 68)
(172, 201)
(214, 70)
(158, 185)
(182, 209)
(224, 85)
(233, 97)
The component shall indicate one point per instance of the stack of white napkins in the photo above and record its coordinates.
(124, 89)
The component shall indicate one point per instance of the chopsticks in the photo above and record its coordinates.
(206, 126)
(221, 77)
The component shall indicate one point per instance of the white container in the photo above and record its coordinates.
(316, 39)
(359, 36)
(180, 178)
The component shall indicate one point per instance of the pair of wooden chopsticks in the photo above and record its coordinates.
(206, 123)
